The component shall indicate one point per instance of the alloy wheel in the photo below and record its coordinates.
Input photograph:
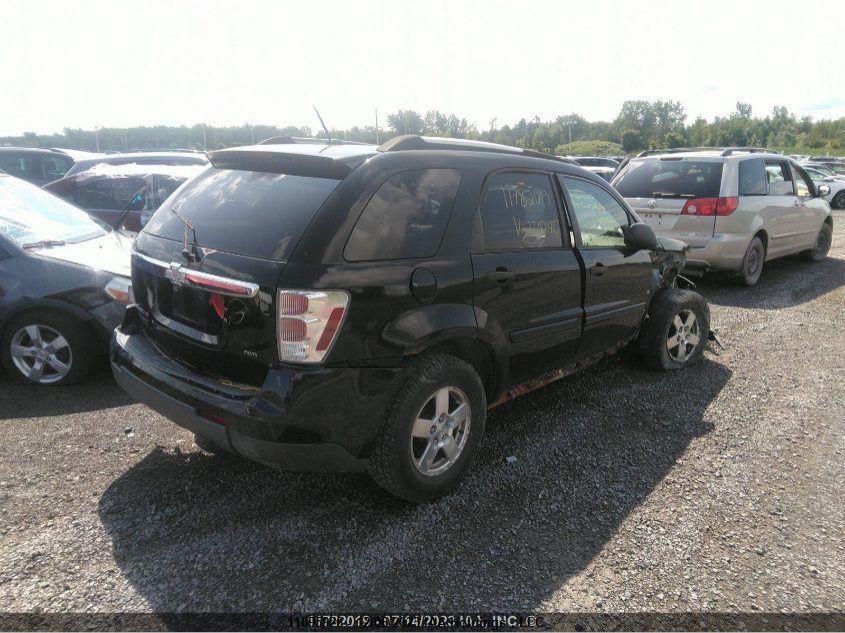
(440, 431)
(41, 354)
(684, 336)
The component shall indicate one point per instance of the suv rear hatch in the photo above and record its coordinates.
(676, 196)
(206, 266)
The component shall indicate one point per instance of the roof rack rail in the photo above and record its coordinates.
(725, 151)
(415, 142)
(749, 150)
(306, 140)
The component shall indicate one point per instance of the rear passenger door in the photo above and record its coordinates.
(617, 280)
(781, 216)
(527, 276)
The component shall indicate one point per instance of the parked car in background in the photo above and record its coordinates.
(736, 207)
(824, 169)
(124, 196)
(35, 165)
(140, 158)
(352, 307)
(831, 162)
(599, 165)
(836, 186)
(77, 154)
(64, 283)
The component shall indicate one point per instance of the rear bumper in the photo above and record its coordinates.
(321, 420)
(724, 251)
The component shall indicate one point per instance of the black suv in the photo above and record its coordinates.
(352, 307)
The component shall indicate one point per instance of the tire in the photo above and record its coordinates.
(838, 201)
(752, 263)
(62, 346)
(410, 461)
(819, 252)
(664, 345)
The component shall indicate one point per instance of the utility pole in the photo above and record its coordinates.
(377, 141)
(97, 137)
(569, 124)
(204, 144)
(492, 128)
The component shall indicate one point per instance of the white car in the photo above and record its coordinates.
(836, 197)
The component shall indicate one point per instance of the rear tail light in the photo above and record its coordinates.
(710, 206)
(308, 323)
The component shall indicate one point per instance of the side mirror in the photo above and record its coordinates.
(640, 237)
(823, 190)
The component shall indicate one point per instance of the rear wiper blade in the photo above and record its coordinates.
(670, 194)
(44, 244)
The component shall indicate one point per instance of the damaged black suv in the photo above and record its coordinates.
(335, 306)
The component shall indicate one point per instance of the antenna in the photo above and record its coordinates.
(328, 135)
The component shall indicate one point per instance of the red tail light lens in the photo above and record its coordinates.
(710, 206)
(727, 206)
(308, 323)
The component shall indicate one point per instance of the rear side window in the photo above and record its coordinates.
(752, 178)
(245, 212)
(518, 211)
(20, 165)
(406, 218)
(108, 193)
(670, 178)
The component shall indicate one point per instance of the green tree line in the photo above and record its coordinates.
(639, 125)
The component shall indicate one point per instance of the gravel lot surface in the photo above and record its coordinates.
(715, 488)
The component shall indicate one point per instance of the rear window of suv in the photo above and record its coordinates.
(670, 178)
(245, 212)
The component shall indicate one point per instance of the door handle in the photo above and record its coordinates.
(500, 275)
(598, 270)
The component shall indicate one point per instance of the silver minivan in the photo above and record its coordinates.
(736, 207)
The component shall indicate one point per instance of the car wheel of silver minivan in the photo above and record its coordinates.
(823, 240)
(752, 263)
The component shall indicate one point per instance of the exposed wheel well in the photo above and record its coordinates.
(829, 219)
(476, 354)
(41, 309)
(764, 237)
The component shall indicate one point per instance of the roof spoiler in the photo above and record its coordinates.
(280, 163)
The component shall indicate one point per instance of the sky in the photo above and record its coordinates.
(82, 64)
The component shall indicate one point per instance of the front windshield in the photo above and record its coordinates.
(30, 216)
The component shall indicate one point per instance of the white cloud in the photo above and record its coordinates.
(82, 63)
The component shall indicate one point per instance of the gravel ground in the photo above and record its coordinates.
(719, 488)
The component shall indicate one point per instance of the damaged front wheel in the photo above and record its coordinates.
(676, 331)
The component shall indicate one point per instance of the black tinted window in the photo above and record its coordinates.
(55, 166)
(246, 212)
(669, 178)
(108, 193)
(752, 178)
(20, 165)
(406, 218)
(517, 211)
